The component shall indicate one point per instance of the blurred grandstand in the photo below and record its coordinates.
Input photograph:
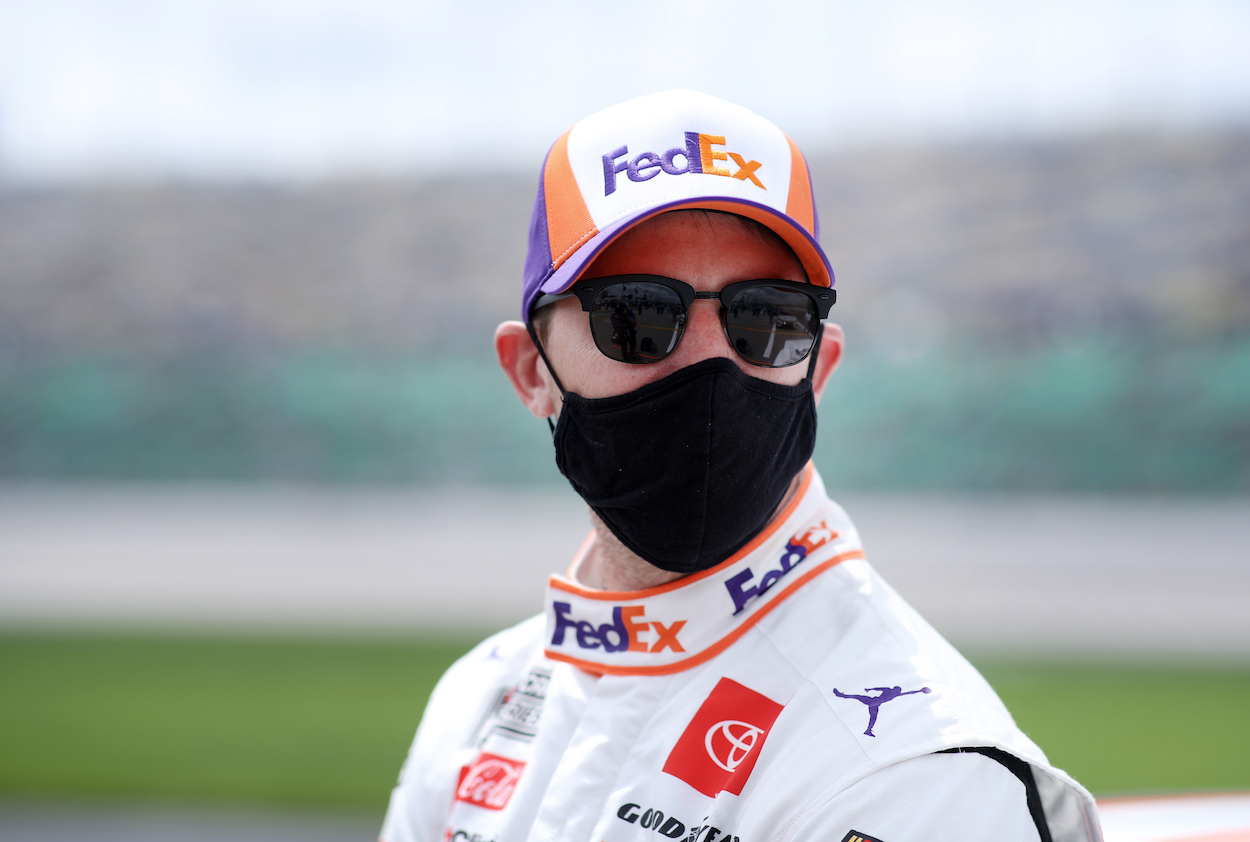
(1067, 314)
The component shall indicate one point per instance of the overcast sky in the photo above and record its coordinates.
(278, 89)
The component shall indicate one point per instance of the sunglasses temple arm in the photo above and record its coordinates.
(815, 352)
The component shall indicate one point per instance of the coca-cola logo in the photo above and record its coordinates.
(729, 742)
(489, 781)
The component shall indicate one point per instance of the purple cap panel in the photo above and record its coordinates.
(538, 257)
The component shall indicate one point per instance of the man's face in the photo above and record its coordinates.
(707, 251)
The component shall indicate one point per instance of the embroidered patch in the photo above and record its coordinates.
(517, 713)
(719, 747)
(874, 703)
(489, 781)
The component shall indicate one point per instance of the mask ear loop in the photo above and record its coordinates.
(529, 326)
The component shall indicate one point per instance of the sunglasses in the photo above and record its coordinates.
(640, 318)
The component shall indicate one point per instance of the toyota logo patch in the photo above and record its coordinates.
(719, 747)
(728, 743)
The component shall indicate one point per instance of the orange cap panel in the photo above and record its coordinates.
(799, 205)
(569, 223)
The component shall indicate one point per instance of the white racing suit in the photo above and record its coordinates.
(785, 694)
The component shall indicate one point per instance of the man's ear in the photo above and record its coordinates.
(828, 359)
(520, 360)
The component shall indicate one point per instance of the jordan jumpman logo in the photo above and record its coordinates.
(884, 694)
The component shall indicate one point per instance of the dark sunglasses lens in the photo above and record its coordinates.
(637, 322)
(771, 326)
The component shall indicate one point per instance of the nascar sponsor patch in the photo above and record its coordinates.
(489, 781)
(518, 711)
(719, 747)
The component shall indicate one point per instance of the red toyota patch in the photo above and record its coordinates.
(489, 781)
(718, 749)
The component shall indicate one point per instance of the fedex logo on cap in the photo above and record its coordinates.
(698, 155)
(623, 634)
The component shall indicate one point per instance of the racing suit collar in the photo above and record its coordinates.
(684, 623)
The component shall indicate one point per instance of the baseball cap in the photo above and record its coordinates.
(667, 151)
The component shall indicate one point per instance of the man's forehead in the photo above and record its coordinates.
(696, 234)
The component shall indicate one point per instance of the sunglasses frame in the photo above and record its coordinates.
(585, 290)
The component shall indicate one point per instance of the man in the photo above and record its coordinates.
(721, 663)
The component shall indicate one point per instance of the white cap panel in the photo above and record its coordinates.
(659, 134)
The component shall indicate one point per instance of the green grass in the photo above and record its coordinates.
(327, 723)
(1126, 728)
(295, 722)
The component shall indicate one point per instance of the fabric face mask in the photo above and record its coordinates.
(688, 469)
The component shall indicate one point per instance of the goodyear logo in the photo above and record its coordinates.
(698, 155)
(629, 631)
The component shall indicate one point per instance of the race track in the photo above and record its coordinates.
(1067, 574)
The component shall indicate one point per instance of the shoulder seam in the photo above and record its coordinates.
(1024, 772)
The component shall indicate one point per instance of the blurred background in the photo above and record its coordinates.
(261, 480)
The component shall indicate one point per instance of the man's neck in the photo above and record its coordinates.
(611, 566)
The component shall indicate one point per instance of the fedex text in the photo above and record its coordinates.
(625, 633)
(796, 549)
(697, 155)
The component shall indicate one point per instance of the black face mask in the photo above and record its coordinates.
(688, 469)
